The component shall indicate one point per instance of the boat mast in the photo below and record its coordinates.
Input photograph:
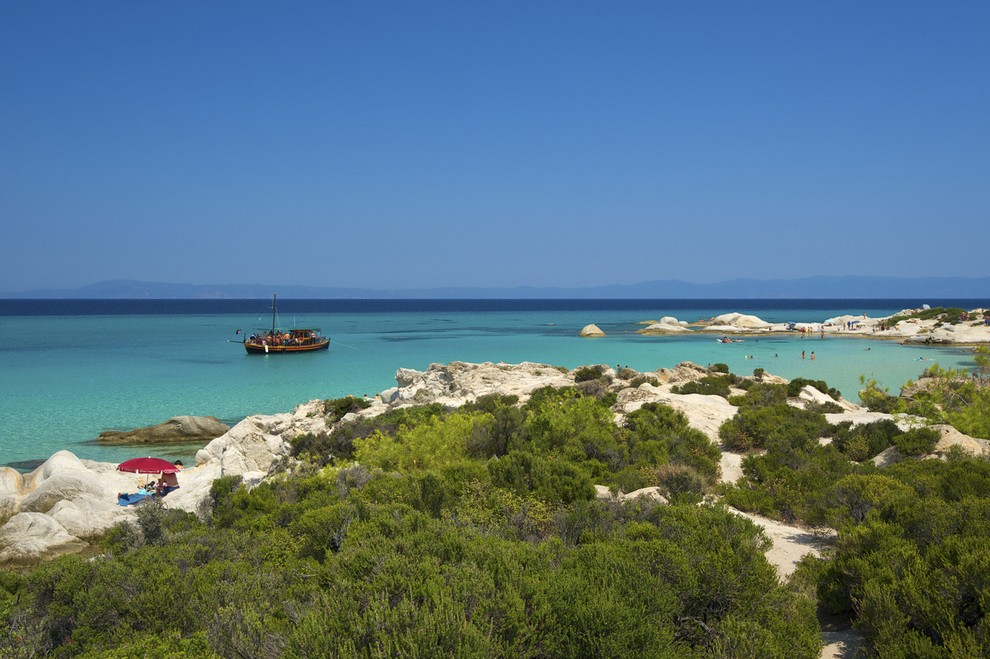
(274, 297)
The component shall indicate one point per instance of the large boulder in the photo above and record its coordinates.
(68, 486)
(30, 538)
(178, 429)
(248, 446)
(741, 321)
(591, 331)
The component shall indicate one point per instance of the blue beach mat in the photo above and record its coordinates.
(124, 499)
(130, 499)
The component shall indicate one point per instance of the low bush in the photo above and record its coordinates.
(586, 373)
(335, 409)
(876, 399)
(764, 426)
(761, 394)
(712, 385)
(627, 373)
(865, 440)
(795, 386)
(917, 441)
(643, 379)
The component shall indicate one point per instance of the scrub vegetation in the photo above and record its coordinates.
(911, 557)
(429, 531)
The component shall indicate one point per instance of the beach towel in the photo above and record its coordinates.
(124, 499)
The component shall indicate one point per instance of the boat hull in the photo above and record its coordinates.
(258, 348)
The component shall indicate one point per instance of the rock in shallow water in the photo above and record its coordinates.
(175, 430)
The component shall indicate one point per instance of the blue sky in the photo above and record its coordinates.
(422, 144)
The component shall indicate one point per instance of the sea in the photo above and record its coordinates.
(70, 369)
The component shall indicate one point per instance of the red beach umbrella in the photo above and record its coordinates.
(148, 466)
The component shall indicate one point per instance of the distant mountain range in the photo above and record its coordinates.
(850, 287)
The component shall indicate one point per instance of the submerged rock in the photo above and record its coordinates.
(176, 430)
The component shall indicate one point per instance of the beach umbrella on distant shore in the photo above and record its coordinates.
(148, 466)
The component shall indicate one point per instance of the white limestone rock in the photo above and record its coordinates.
(68, 486)
(666, 325)
(950, 437)
(738, 320)
(648, 493)
(591, 331)
(389, 396)
(30, 538)
(809, 394)
(456, 383)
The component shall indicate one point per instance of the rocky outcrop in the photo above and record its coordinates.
(591, 331)
(456, 383)
(972, 331)
(31, 538)
(178, 429)
(666, 325)
(739, 320)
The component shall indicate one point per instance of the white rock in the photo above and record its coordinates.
(591, 331)
(741, 320)
(29, 538)
(650, 493)
(11, 481)
(67, 486)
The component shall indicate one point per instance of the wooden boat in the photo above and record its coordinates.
(278, 341)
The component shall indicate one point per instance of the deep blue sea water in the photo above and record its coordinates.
(72, 368)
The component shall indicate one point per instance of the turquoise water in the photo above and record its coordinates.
(65, 378)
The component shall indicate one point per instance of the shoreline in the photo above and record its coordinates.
(916, 327)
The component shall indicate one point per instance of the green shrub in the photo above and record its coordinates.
(917, 441)
(658, 434)
(681, 483)
(710, 385)
(524, 473)
(761, 427)
(586, 373)
(761, 394)
(492, 439)
(627, 373)
(323, 449)
(643, 379)
(866, 440)
(719, 367)
(336, 409)
(795, 386)
(877, 399)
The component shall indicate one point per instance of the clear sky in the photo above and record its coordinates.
(421, 144)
